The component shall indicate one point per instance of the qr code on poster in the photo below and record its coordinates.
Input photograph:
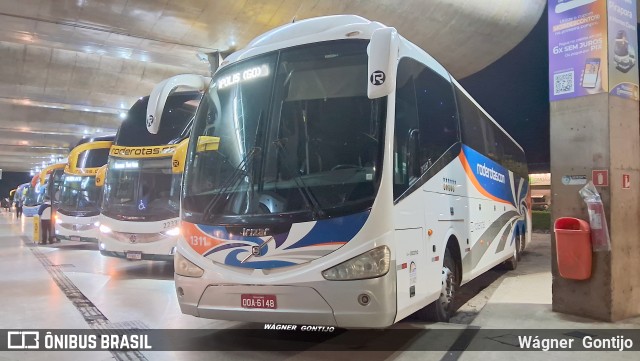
(563, 83)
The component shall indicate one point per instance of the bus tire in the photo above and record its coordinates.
(521, 242)
(512, 263)
(442, 309)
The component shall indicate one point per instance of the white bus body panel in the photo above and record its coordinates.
(30, 211)
(303, 295)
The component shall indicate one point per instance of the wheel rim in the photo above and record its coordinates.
(448, 290)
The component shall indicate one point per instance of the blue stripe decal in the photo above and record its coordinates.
(341, 229)
(234, 257)
(491, 176)
(223, 247)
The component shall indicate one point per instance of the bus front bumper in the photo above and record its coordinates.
(319, 303)
(161, 250)
(90, 236)
(143, 256)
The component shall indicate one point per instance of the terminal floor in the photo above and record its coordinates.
(140, 294)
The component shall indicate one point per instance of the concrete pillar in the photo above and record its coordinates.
(597, 129)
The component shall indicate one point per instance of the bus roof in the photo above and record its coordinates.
(105, 137)
(307, 31)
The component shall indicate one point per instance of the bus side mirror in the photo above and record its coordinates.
(179, 157)
(101, 174)
(207, 143)
(161, 92)
(382, 66)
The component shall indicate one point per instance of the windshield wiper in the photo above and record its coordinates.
(230, 184)
(241, 170)
(308, 197)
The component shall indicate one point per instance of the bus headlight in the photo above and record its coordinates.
(105, 229)
(58, 220)
(184, 267)
(173, 232)
(371, 264)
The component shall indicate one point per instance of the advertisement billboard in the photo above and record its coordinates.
(623, 42)
(592, 48)
(577, 48)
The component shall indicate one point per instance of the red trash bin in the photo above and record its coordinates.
(573, 248)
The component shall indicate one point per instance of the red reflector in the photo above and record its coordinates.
(436, 258)
(404, 265)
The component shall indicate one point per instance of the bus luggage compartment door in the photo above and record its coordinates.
(412, 270)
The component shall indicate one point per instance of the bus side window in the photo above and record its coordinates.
(406, 127)
(438, 115)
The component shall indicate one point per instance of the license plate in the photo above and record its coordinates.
(74, 238)
(134, 255)
(259, 301)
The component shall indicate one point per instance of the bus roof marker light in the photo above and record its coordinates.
(123, 115)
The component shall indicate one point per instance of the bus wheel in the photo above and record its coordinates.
(512, 263)
(442, 309)
(520, 245)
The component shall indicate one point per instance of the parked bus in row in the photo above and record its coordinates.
(140, 213)
(33, 197)
(354, 183)
(20, 192)
(78, 205)
(51, 180)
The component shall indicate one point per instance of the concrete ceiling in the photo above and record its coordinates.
(69, 68)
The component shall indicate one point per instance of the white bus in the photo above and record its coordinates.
(78, 204)
(51, 179)
(353, 183)
(140, 211)
(33, 197)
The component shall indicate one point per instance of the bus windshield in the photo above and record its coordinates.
(141, 189)
(55, 188)
(79, 194)
(31, 197)
(296, 134)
